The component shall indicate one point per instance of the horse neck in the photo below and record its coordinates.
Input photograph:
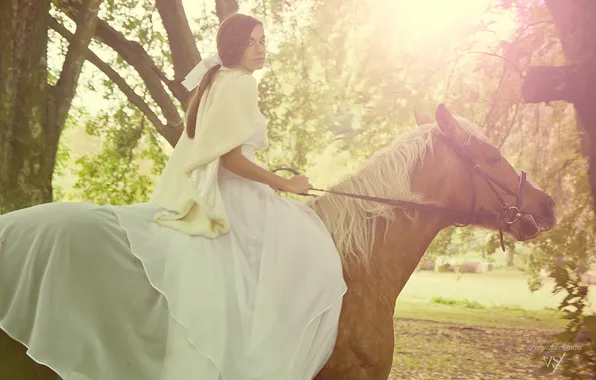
(396, 254)
(394, 259)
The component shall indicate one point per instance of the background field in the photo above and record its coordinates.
(472, 326)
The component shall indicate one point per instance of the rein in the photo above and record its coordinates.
(508, 214)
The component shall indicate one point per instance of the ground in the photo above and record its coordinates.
(457, 344)
(473, 326)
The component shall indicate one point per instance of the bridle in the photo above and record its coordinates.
(507, 214)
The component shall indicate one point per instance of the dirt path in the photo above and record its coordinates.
(433, 350)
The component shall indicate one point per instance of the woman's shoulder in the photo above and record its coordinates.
(235, 82)
(238, 77)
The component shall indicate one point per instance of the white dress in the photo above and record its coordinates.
(105, 293)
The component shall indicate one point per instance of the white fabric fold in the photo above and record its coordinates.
(188, 187)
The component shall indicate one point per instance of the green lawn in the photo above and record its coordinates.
(498, 288)
(489, 316)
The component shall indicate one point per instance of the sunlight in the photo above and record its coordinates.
(431, 21)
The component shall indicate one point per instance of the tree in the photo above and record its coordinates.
(34, 110)
(575, 82)
(567, 251)
(33, 113)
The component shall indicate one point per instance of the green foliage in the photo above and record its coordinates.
(63, 156)
(118, 175)
(580, 361)
(466, 303)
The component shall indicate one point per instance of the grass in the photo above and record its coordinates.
(472, 326)
(498, 288)
(481, 316)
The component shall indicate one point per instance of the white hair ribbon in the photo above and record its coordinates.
(194, 77)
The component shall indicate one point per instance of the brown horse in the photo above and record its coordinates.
(450, 174)
(448, 163)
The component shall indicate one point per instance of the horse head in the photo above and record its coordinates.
(478, 181)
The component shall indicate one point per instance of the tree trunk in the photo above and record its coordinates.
(575, 83)
(26, 161)
(33, 113)
(32, 116)
(575, 23)
(510, 258)
(586, 124)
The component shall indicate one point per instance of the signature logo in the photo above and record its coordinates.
(556, 352)
(553, 361)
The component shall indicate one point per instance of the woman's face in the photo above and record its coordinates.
(255, 53)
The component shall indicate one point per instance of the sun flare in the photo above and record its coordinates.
(431, 21)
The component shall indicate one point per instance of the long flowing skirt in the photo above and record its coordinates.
(105, 293)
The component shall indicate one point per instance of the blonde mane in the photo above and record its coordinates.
(352, 222)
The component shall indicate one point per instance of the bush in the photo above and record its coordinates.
(428, 264)
(463, 303)
(470, 267)
(446, 267)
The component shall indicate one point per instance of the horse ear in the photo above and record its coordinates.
(422, 119)
(447, 123)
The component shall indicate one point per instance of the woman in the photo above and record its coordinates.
(216, 278)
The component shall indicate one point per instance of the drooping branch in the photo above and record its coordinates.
(171, 134)
(86, 21)
(224, 8)
(185, 54)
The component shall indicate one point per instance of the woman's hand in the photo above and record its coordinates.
(298, 184)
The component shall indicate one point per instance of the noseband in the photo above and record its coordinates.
(507, 214)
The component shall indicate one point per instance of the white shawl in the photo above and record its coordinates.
(188, 188)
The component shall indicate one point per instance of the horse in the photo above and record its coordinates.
(382, 219)
(449, 163)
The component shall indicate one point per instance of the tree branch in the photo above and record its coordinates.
(86, 20)
(133, 53)
(171, 134)
(551, 83)
(185, 54)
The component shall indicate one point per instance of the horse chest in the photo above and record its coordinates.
(363, 351)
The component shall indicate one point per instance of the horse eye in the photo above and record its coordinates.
(494, 161)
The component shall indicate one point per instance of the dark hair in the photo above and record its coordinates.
(232, 40)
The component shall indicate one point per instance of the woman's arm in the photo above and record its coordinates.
(235, 162)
